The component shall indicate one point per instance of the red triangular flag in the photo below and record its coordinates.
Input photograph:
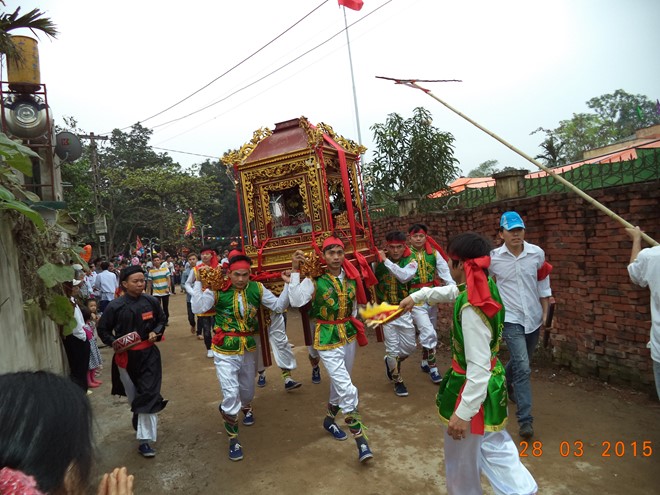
(352, 4)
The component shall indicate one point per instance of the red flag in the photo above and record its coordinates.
(138, 243)
(352, 4)
(190, 225)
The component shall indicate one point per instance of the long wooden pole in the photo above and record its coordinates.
(413, 84)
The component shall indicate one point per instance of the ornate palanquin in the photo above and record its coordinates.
(296, 185)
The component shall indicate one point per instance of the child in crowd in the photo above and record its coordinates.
(95, 360)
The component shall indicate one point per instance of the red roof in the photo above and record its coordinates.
(622, 155)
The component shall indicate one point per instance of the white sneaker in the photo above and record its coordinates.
(209, 353)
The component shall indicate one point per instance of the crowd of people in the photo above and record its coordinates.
(497, 293)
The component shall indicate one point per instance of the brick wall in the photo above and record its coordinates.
(602, 320)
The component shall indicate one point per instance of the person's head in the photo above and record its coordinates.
(512, 230)
(46, 430)
(396, 244)
(239, 271)
(72, 288)
(132, 281)
(192, 259)
(417, 233)
(156, 261)
(333, 253)
(206, 253)
(92, 305)
(225, 253)
(111, 266)
(466, 246)
(105, 265)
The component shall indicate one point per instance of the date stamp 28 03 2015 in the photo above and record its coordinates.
(578, 448)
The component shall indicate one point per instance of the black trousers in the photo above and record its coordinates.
(191, 315)
(77, 353)
(165, 303)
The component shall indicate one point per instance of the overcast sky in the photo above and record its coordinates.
(523, 63)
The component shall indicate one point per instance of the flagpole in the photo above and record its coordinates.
(350, 61)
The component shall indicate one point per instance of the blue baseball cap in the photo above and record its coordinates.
(511, 220)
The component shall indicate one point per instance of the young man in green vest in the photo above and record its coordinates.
(472, 399)
(431, 267)
(334, 296)
(234, 341)
(399, 334)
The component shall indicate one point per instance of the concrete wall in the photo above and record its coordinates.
(28, 340)
(602, 320)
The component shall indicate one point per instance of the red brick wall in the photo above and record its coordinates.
(602, 320)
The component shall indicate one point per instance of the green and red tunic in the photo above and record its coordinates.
(332, 307)
(235, 333)
(495, 403)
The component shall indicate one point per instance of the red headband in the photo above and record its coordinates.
(239, 265)
(214, 257)
(330, 241)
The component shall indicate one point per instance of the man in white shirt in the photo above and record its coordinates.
(521, 273)
(644, 270)
(105, 284)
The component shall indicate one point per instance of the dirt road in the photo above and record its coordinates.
(590, 438)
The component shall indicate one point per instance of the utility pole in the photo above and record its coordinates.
(100, 224)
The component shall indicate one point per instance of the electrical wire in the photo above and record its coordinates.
(234, 67)
(272, 72)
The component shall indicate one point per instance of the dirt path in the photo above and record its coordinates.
(288, 452)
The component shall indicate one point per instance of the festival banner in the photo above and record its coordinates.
(190, 225)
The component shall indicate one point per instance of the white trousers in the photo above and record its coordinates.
(339, 364)
(147, 424)
(399, 337)
(428, 338)
(495, 454)
(236, 374)
(279, 344)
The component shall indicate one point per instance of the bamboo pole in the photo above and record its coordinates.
(413, 84)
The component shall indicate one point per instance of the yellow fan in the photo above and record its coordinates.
(379, 314)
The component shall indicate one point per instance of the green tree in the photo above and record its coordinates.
(141, 192)
(221, 211)
(615, 117)
(33, 21)
(411, 157)
(485, 169)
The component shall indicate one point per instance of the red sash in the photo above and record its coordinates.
(361, 336)
(477, 422)
(219, 336)
(121, 358)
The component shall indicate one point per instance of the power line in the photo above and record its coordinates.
(235, 66)
(272, 72)
(183, 152)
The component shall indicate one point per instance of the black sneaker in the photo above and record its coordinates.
(425, 368)
(146, 451)
(261, 381)
(526, 430)
(400, 389)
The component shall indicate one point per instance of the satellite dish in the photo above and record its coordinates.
(67, 147)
